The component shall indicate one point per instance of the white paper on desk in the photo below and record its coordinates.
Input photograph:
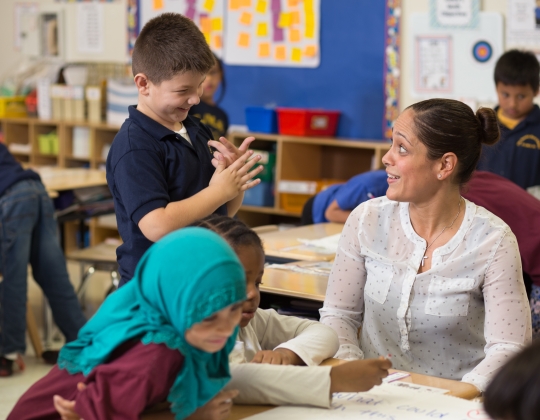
(319, 268)
(326, 245)
(385, 402)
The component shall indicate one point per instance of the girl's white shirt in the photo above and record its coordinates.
(276, 384)
(462, 319)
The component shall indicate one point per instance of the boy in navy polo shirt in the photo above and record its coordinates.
(517, 155)
(160, 169)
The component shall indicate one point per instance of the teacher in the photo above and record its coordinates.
(423, 274)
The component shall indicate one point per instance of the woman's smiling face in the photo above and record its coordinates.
(411, 175)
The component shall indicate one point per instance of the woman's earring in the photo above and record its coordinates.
(439, 176)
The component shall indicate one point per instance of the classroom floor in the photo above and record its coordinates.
(13, 387)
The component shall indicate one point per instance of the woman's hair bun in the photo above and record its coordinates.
(489, 126)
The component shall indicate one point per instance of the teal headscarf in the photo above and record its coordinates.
(181, 280)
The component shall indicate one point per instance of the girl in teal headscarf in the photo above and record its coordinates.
(167, 333)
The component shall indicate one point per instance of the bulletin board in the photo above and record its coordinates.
(350, 76)
(273, 33)
(207, 14)
(455, 63)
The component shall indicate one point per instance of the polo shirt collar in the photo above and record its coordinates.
(531, 118)
(157, 130)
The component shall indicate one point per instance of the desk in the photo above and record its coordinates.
(293, 284)
(239, 412)
(63, 179)
(284, 243)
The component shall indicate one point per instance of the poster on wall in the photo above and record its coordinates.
(454, 13)
(436, 52)
(523, 24)
(433, 64)
(273, 33)
(207, 14)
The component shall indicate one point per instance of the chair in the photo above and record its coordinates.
(98, 257)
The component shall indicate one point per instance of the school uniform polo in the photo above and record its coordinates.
(11, 171)
(148, 167)
(516, 156)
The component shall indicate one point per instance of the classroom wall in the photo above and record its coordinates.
(10, 57)
(412, 6)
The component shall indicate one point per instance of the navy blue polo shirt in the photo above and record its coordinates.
(516, 156)
(148, 167)
(11, 171)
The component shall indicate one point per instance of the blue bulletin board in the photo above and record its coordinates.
(350, 77)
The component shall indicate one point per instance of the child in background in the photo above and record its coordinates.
(335, 203)
(208, 110)
(267, 339)
(517, 155)
(160, 168)
(165, 335)
(513, 392)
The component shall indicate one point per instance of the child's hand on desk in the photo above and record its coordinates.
(228, 150)
(230, 181)
(218, 408)
(66, 408)
(359, 375)
(277, 357)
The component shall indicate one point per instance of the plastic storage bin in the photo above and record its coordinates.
(260, 195)
(268, 162)
(307, 122)
(12, 107)
(261, 120)
(294, 194)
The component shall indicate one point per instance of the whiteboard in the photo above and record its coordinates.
(469, 78)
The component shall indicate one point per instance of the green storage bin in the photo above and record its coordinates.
(268, 162)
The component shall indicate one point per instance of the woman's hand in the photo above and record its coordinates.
(218, 408)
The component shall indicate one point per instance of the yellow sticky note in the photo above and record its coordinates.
(245, 3)
(235, 4)
(243, 39)
(295, 18)
(284, 20)
(261, 6)
(218, 44)
(262, 29)
(208, 5)
(310, 31)
(245, 18)
(207, 37)
(296, 55)
(281, 52)
(310, 51)
(206, 25)
(264, 49)
(294, 35)
(217, 24)
(293, 3)
(157, 4)
(308, 6)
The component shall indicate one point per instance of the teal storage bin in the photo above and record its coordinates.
(261, 120)
(261, 195)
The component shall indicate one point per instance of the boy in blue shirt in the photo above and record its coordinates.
(161, 170)
(335, 203)
(517, 155)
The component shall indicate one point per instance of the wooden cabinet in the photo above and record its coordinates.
(27, 132)
(309, 158)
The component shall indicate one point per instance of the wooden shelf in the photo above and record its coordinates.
(309, 158)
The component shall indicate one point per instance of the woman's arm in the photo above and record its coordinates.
(507, 325)
(344, 302)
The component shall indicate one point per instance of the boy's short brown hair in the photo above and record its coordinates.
(170, 44)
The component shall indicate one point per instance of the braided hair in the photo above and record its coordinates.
(234, 231)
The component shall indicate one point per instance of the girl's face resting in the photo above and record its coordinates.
(252, 259)
(212, 333)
